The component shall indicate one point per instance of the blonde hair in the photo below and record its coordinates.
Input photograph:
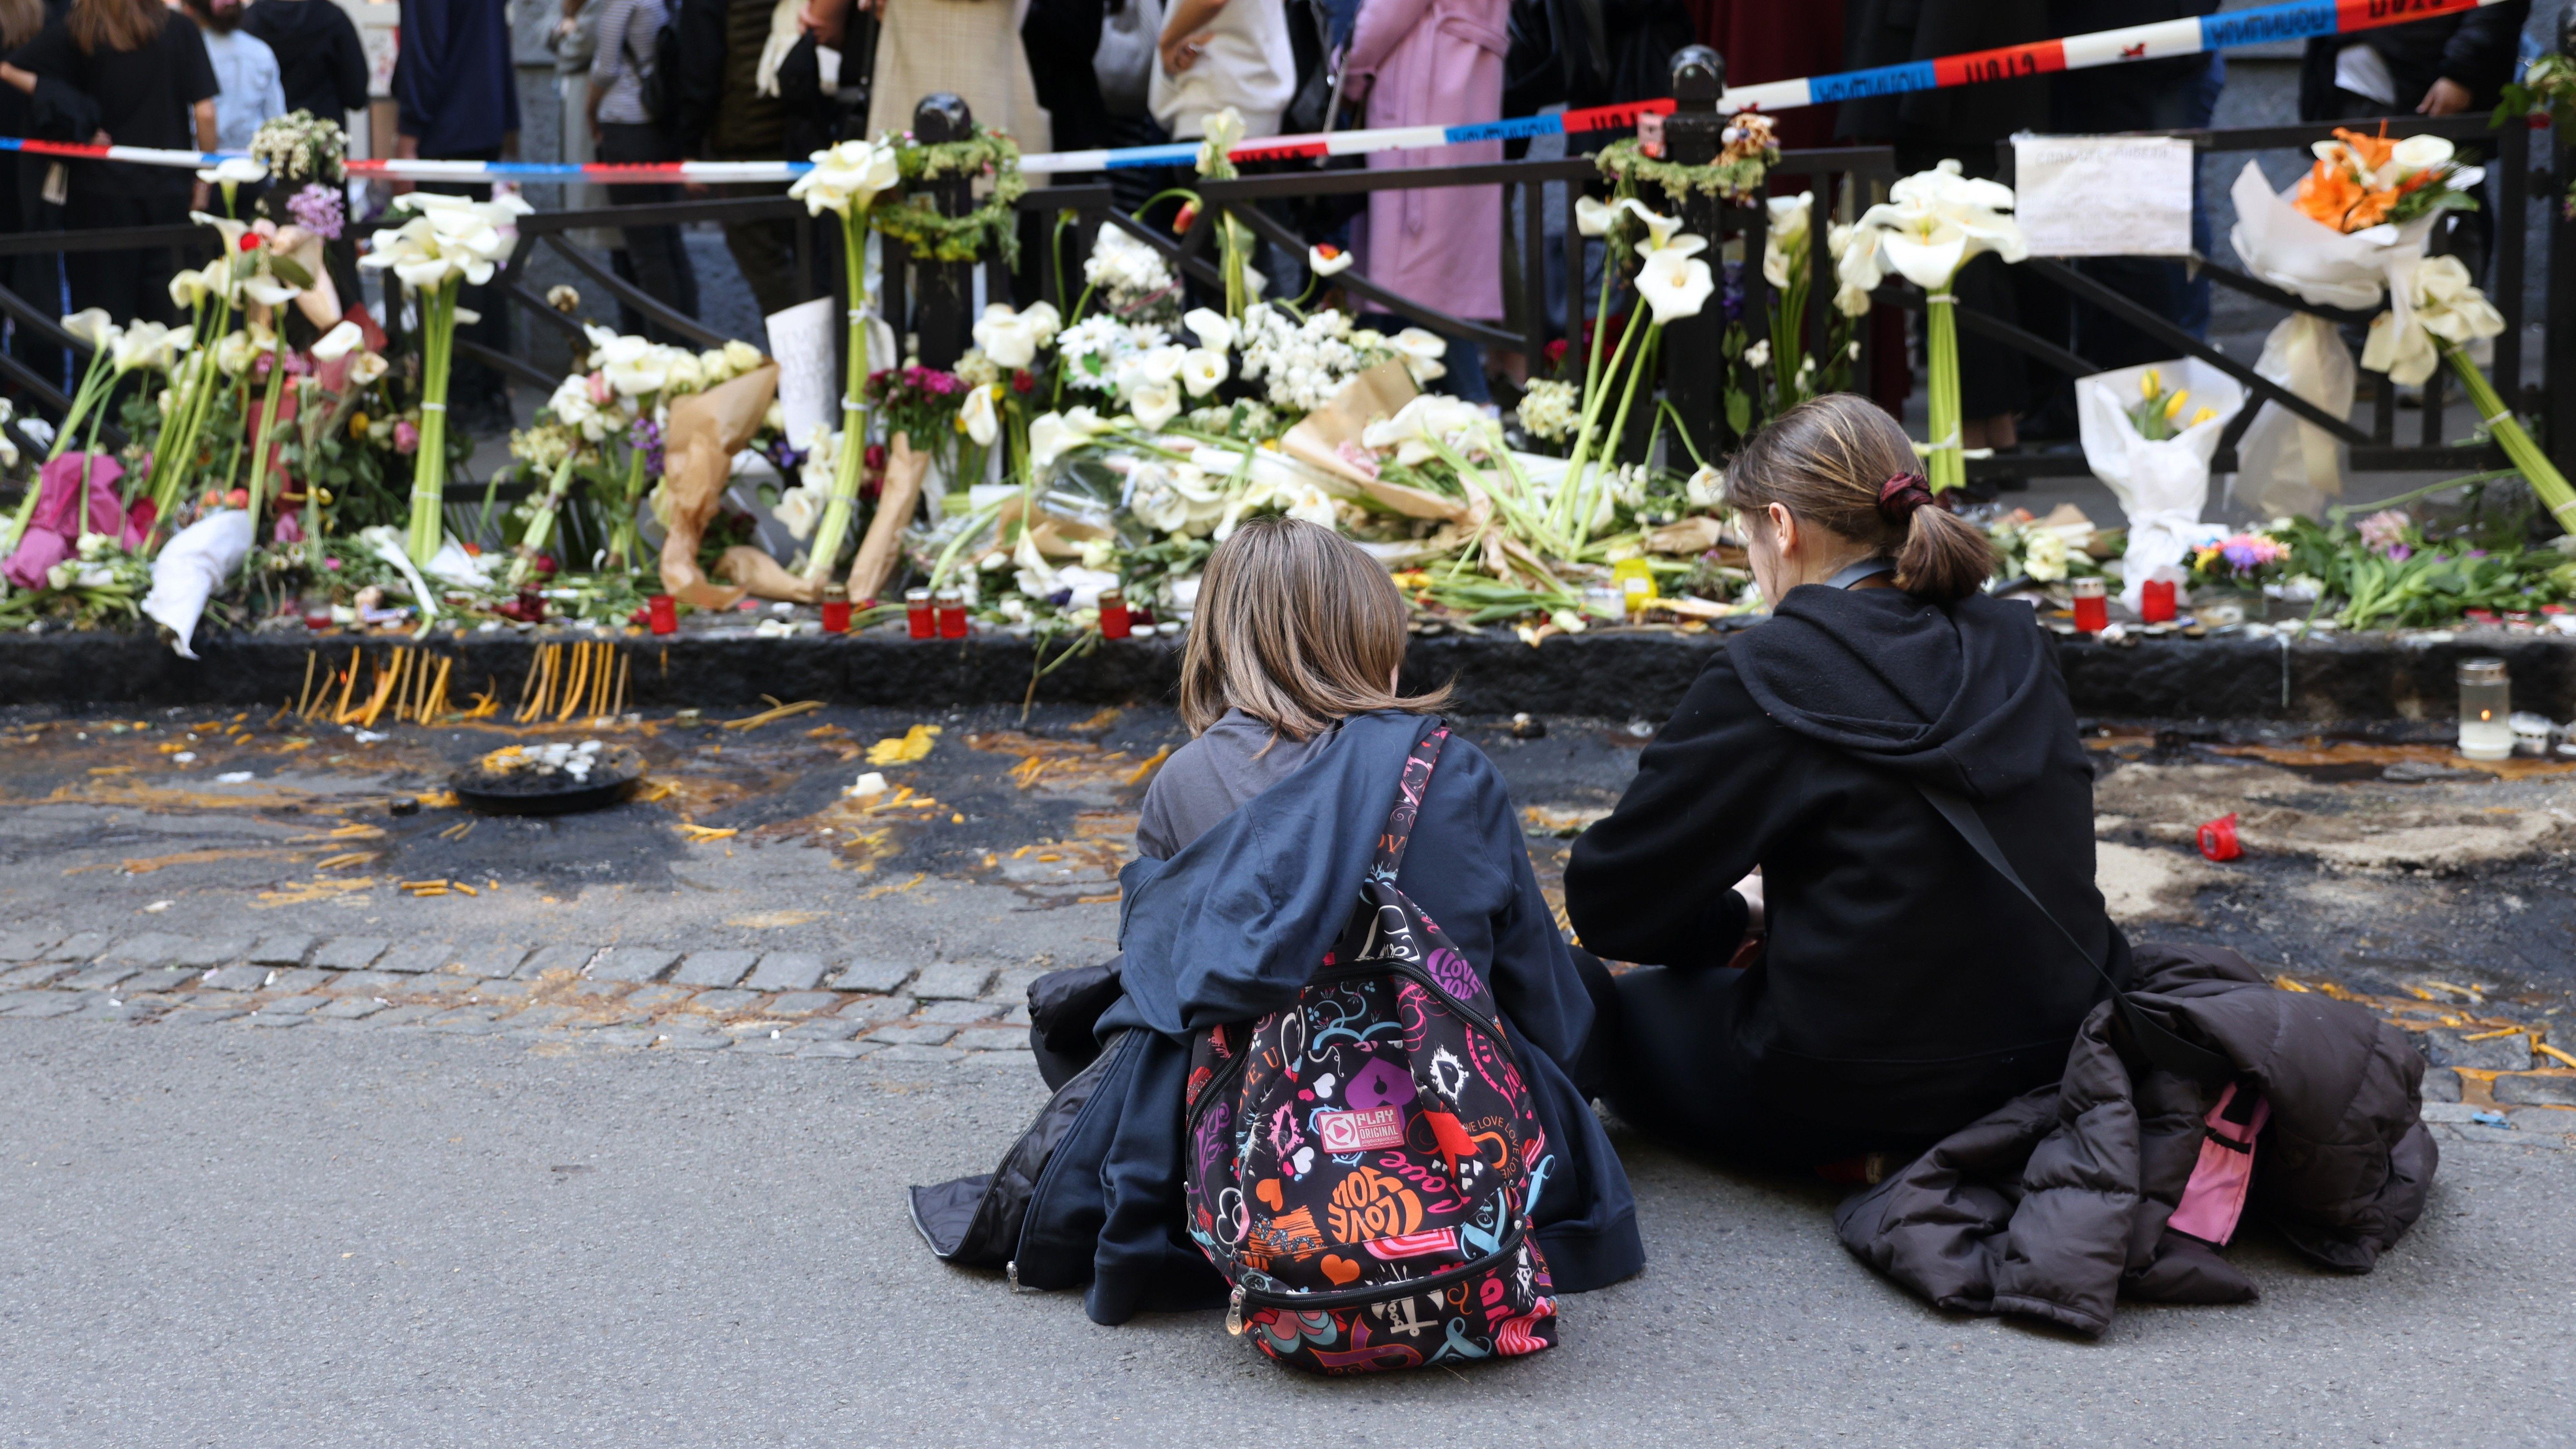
(115, 25)
(1829, 461)
(1298, 628)
(19, 21)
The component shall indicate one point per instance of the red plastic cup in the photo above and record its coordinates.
(836, 616)
(2156, 603)
(2092, 606)
(664, 612)
(920, 619)
(952, 614)
(1113, 614)
(2218, 839)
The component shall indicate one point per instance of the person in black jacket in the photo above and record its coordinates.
(2439, 67)
(321, 63)
(1904, 988)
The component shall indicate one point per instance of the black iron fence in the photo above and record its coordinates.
(931, 301)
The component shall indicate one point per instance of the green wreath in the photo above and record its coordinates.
(1738, 180)
(915, 220)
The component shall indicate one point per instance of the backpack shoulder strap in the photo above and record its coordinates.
(1408, 802)
(2163, 1046)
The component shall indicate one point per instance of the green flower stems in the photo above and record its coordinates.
(1581, 523)
(625, 539)
(542, 526)
(91, 393)
(429, 463)
(259, 450)
(1946, 463)
(2533, 464)
(172, 462)
(851, 462)
(1561, 514)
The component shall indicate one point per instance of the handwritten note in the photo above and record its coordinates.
(809, 377)
(2104, 196)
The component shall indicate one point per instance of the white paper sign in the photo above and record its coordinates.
(809, 369)
(2104, 196)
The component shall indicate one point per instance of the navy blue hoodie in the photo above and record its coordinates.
(1232, 926)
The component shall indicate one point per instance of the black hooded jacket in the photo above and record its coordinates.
(321, 62)
(1905, 988)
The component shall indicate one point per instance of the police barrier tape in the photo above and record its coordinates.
(2294, 20)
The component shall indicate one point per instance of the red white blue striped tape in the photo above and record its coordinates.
(2294, 20)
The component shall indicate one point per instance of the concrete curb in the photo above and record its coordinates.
(1616, 673)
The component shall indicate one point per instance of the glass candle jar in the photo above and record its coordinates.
(2486, 709)
(1606, 601)
(836, 616)
(1113, 614)
(2092, 605)
(317, 610)
(662, 614)
(2156, 602)
(952, 614)
(920, 620)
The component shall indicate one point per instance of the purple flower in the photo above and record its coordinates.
(2399, 553)
(317, 209)
(647, 437)
(2241, 554)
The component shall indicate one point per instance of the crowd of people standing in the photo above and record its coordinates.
(773, 79)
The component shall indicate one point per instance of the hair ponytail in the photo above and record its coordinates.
(1944, 557)
(1841, 463)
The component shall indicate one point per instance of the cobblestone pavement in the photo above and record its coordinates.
(302, 1142)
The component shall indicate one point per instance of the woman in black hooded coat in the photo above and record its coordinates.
(1904, 987)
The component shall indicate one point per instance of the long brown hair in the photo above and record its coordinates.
(1297, 628)
(1828, 461)
(116, 24)
(19, 21)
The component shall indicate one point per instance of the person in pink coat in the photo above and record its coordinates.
(1436, 63)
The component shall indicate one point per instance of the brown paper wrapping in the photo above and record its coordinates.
(1380, 392)
(896, 500)
(707, 429)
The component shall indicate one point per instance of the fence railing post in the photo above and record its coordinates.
(944, 292)
(1694, 358)
(2558, 369)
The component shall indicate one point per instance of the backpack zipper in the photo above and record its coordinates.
(1362, 1297)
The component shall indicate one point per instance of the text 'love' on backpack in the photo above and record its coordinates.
(1363, 1163)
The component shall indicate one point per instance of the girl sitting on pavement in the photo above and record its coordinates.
(1254, 838)
(1904, 987)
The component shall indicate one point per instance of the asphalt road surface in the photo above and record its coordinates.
(223, 1236)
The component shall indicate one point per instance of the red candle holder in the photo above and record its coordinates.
(1113, 614)
(2092, 605)
(952, 614)
(836, 616)
(2156, 602)
(920, 619)
(2218, 839)
(663, 613)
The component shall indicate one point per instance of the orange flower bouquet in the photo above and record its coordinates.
(2359, 182)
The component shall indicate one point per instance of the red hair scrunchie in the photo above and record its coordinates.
(1902, 493)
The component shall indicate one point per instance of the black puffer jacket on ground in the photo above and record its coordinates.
(2054, 1205)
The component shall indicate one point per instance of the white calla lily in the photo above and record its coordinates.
(1936, 222)
(147, 344)
(233, 171)
(1052, 435)
(339, 342)
(851, 174)
(1675, 284)
(2436, 303)
(1328, 261)
(1594, 218)
(981, 422)
(93, 326)
(1008, 337)
(1785, 243)
(1155, 403)
(1214, 329)
(268, 291)
(1202, 371)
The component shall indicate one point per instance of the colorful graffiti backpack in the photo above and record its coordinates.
(1363, 1163)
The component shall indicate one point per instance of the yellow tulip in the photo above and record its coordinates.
(2173, 405)
(2151, 384)
(2202, 416)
